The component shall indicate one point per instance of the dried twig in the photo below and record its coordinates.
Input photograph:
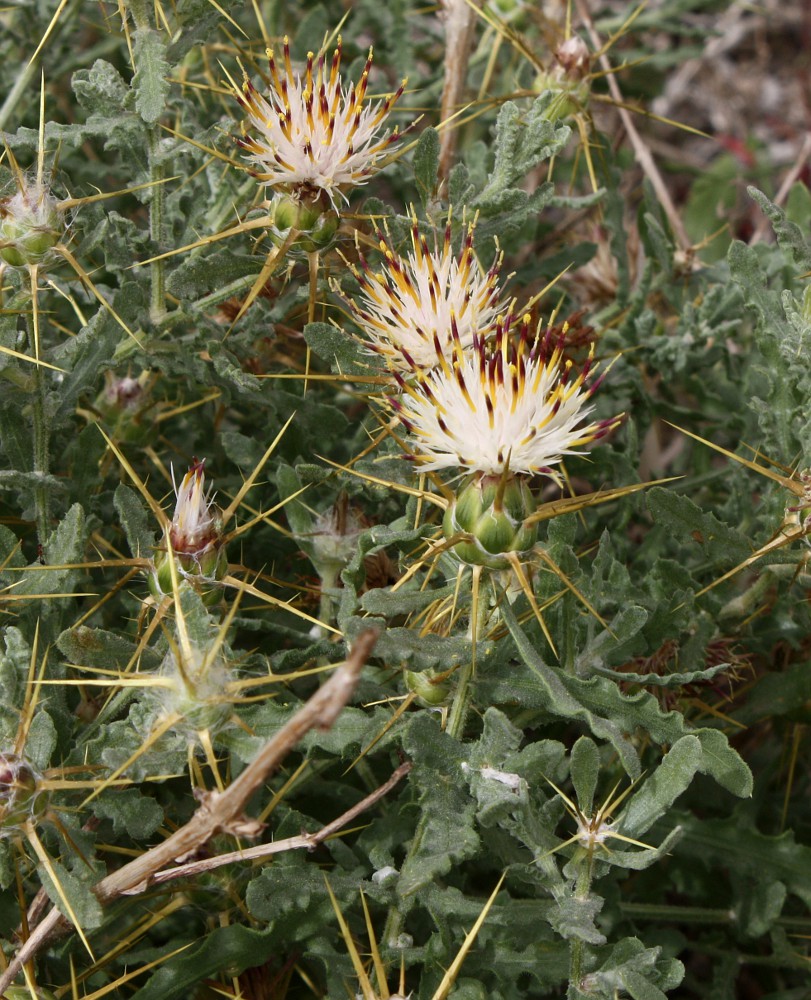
(304, 840)
(641, 151)
(219, 810)
(460, 22)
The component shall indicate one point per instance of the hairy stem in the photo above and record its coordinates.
(157, 269)
(581, 892)
(41, 438)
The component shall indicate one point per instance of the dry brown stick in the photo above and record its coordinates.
(302, 840)
(460, 22)
(641, 151)
(219, 809)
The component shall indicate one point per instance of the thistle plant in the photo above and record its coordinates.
(360, 631)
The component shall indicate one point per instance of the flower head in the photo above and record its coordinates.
(313, 133)
(514, 406)
(194, 540)
(416, 308)
(32, 222)
(193, 529)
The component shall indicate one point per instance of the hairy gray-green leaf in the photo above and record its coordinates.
(150, 83)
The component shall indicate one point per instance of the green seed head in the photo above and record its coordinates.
(430, 688)
(314, 220)
(493, 510)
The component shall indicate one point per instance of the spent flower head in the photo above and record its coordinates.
(417, 307)
(515, 405)
(313, 133)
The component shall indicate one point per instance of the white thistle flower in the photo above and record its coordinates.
(312, 133)
(416, 307)
(513, 407)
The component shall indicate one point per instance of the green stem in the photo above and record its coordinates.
(700, 915)
(461, 699)
(140, 13)
(157, 204)
(139, 9)
(581, 892)
(455, 728)
(41, 436)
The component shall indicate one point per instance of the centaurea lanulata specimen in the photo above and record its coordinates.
(413, 309)
(513, 405)
(519, 593)
(313, 133)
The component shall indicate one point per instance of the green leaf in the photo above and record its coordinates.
(687, 522)
(343, 352)
(447, 835)
(100, 90)
(789, 235)
(663, 787)
(84, 904)
(585, 770)
(559, 701)
(524, 138)
(96, 647)
(426, 164)
(134, 521)
(298, 516)
(235, 948)
(610, 714)
(150, 83)
(40, 740)
(573, 919)
(130, 811)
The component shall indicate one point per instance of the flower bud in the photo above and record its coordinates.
(574, 58)
(431, 688)
(568, 80)
(19, 792)
(315, 222)
(493, 510)
(194, 542)
(334, 539)
(123, 403)
(31, 224)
